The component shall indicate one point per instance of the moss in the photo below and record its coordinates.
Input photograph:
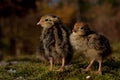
(29, 68)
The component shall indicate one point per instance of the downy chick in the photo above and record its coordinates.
(93, 45)
(55, 39)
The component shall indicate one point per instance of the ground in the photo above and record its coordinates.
(30, 68)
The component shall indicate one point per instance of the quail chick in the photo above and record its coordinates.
(55, 39)
(93, 45)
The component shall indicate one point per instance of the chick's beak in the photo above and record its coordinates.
(74, 30)
(38, 23)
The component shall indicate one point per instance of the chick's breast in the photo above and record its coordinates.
(78, 43)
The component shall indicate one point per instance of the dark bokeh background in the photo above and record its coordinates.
(20, 35)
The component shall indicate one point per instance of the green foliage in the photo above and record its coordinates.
(29, 68)
(116, 47)
(116, 50)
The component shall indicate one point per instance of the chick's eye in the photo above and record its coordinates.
(46, 19)
(82, 28)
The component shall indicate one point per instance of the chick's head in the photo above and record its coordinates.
(81, 28)
(48, 21)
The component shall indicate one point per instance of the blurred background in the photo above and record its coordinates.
(20, 35)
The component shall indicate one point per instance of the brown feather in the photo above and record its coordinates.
(94, 45)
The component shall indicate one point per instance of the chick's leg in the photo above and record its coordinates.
(51, 63)
(100, 67)
(63, 65)
(89, 66)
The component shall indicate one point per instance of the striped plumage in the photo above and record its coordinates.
(55, 39)
(92, 44)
